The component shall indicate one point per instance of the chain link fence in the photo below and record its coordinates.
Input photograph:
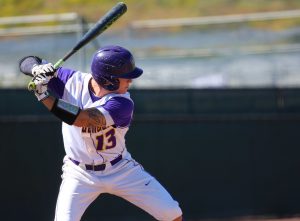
(231, 51)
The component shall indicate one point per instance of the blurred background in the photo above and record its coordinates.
(217, 110)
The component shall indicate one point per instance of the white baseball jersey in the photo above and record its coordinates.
(93, 145)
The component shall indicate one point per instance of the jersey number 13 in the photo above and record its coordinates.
(107, 140)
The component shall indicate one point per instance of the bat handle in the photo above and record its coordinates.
(31, 86)
(58, 63)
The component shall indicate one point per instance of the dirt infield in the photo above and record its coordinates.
(253, 219)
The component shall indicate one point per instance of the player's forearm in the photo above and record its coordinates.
(65, 111)
(49, 102)
(73, 115)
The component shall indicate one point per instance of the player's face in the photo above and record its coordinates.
(124, 85)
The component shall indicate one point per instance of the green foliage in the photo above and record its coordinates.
(145, 9)
(16, 7)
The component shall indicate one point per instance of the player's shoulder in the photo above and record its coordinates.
(115, 100)
(118, 101)
(63, 71)
(122, 97)
(120, 107)
(81, 76)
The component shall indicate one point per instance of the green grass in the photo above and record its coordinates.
(144, 9)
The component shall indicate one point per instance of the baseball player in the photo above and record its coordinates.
(96, 111)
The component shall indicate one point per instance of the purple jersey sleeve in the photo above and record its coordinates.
(57, 85)
(120, 110)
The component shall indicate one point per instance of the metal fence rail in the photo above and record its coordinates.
(39, 18)
(48, 24)
(239, 55)
(222, 19)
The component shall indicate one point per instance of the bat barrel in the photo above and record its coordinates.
(102, 24)
(107, 20)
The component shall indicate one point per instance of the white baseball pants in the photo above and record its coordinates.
(126, 179)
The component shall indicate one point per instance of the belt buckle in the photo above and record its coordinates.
(93, 166)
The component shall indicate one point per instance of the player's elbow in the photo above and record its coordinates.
(81, 120)
(91, 117)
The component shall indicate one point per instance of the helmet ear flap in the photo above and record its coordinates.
(109, 83)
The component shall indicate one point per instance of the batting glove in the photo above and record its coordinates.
(47, 69)
(41, 82)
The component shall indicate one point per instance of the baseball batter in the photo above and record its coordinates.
(96, 111)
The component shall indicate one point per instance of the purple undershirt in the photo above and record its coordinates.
(119, 108)
(57, 85)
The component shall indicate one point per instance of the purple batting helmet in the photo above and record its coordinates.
(112, 62)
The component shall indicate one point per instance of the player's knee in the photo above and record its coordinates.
(67, 217)
(171, 214)
(179, 219)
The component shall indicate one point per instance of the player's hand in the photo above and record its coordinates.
(47, 69)
(41, 82)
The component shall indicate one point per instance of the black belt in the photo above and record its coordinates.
(99, 167)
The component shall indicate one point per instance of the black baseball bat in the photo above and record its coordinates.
(103, 23)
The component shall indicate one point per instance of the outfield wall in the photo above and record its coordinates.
(221, 153)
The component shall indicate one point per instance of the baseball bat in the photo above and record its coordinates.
(102, 24)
